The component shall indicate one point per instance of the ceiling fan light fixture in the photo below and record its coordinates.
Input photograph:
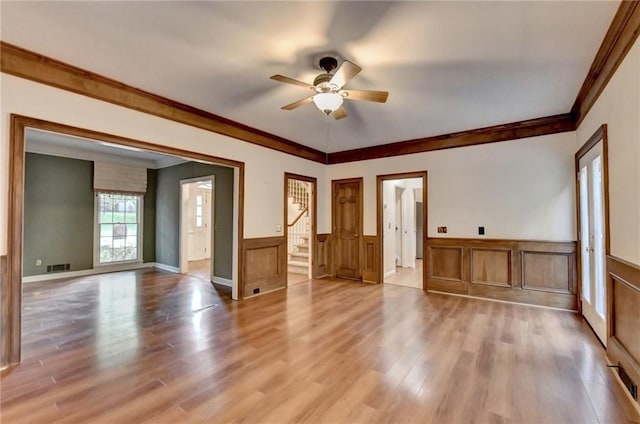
(328, 102)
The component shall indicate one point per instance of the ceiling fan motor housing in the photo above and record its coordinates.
(328, 63)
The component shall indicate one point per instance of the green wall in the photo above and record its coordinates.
(168, 214)
(58, 213)
(149, 218)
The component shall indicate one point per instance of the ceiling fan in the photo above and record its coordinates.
(328, 92)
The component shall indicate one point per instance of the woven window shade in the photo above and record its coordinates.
(114, 178)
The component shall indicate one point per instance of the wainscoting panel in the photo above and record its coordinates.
(623, 304)
(324, 255)
(265, 265)
(445, 262)
(547, 271)
(371, 260)
(491, 267)
(4, 313)
(533, 272)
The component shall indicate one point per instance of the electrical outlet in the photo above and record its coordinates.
(481, 231)
(38, 262)
(442, 230)
(278, 228)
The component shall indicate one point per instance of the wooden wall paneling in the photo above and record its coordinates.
(36, 67)
(324, 255)
(623, 318)
(5, 340)
(371, 260)
(529, 297)
(622, 33)
(446, 262)
(525, 271)
(265, 265)
(491, 266)
(445, 269)
(547, 271)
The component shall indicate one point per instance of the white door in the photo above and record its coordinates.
(592, 240)
(201, 220)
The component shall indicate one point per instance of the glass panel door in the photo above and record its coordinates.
(592, 240)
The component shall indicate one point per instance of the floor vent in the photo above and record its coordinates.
(58, 267)
(628, 383)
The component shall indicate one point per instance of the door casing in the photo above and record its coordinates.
(599, 135)
(379, 220)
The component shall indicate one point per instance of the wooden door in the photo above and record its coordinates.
(347, 226)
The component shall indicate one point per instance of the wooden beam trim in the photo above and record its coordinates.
(620, 37)
(36, 67)
(505, 132)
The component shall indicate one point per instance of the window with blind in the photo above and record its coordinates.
(119, 227)
(119, 192)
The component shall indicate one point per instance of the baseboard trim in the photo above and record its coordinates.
(222, 281)
(636, 404)
(390, 273)
(85, 272)
(503, 301)
(166, 267)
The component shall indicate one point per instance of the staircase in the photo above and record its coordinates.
(298, 227)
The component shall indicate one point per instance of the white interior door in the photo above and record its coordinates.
(592, 240)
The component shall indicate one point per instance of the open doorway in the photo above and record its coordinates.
(196, 220)
(401, 227)
(300, 224)
(128, 234)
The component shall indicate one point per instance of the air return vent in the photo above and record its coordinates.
(58, 267)
(628, 383)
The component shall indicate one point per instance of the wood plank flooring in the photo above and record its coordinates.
(154, 347)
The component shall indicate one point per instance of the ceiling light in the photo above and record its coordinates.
(328, 102)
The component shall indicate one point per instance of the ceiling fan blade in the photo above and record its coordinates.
(288, 80)
(340, 113)
(297, 104)
(371, 96)
(345, 72)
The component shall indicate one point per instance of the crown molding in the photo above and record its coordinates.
(512, 131)
(39, 68)
(622, 33)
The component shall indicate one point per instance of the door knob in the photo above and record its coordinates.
(356, 235)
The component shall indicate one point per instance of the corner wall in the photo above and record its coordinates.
(519, 190)
(619, 108)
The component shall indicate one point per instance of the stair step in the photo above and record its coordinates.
(303, 255)
(298, 263)
(303, 245)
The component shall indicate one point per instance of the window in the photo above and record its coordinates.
(119, 227)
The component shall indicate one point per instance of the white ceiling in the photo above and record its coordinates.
(54, 144)
(449, 66)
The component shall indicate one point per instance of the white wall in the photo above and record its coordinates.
(521, 189)
(619, 108)
(389, 226)
(263, 171)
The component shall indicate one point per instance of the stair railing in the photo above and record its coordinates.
(296, 231)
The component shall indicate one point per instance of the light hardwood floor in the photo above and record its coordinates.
(408, 277)
(151, 346)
